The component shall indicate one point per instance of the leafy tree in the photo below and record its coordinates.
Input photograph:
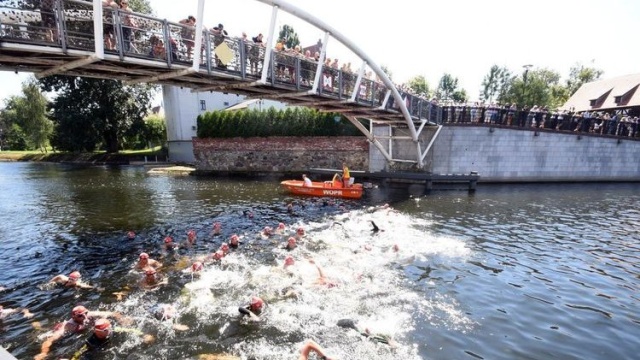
(539, 87)
(155, 130)
(16, 139)
(90, 112)
(460, 96)
(29, 113)
(289, 36)
(420, 86)
(446, 87)
(141, 6)
(495, 84)
(579, 75)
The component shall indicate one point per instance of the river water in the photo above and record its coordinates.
(510, 272)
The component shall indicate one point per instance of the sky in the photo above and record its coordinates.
(463, 38)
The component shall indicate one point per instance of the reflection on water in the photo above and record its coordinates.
(510, 272)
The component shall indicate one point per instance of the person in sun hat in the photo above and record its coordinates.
(253, 309)
(144, 262)
(73, 280)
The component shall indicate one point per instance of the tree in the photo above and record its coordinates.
(289, 36)
(90, 113)
(419, 86)
(26, 115)
(540, 89)
(446, 87)
(141, 6)
(579, 75)
(460, 96)
(495, 84)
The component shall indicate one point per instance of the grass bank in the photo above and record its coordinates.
(120, 158)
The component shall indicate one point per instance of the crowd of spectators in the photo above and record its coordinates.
(605, 122)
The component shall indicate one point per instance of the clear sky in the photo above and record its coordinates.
(461, 37)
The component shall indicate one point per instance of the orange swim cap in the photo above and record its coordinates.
(144, 256)
(103, 325)
(79, 310)
(75, 275)
(257, 303)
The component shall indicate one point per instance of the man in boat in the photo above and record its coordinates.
(346, 176)
(307, 181)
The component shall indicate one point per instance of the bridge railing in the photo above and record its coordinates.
(69, 24)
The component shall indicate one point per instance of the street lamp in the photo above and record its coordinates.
(524, 78)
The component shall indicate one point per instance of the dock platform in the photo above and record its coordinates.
(428, 179)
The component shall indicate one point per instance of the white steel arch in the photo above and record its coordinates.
(311, 19)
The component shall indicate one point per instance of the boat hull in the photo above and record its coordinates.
(323, 189)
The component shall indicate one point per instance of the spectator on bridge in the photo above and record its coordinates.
(158, 50)
(219, 34)
(254, 53)
(107, 28)
(128, 24)
(48, 19)
(188, 33)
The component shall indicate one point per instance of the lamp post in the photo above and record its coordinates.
(524, 79)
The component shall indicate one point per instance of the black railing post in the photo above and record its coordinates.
(117, 25)
(208, 52)
(297, 72)
(61, 24)
(167, 40)
(340, 84)
(243, 58)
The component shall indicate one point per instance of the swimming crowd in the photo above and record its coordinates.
(100, 324)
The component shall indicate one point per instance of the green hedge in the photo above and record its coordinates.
(272, 122)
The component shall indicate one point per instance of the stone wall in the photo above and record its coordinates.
(510, 155)
(279, 154)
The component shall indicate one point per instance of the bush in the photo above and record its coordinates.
(289, 122)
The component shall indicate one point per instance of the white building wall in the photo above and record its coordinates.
(182, 107)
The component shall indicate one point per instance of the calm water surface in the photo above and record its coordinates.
(510, 272)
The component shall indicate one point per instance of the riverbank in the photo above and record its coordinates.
(125, 158)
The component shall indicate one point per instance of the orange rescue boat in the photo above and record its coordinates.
(333, 188)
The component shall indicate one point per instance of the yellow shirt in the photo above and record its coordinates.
(345, 172)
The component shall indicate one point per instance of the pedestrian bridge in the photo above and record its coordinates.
(83, 38)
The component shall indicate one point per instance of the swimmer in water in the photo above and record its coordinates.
(169, 245)
(168, 312)
(4, 312)
(311, 346)
(253, 309)
(191, 237)
(131, 235)
(101, 337)
(151, 280)
(280, 229)
(375, 228)
(364, 331)
(144, 262)
(73, 280)
(234, 241)
(81, 320)
(291, 244)
(300, 233)
(217, 229)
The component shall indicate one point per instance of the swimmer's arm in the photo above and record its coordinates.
(310, 346)
(84, 286)
(46, 345)
(244, 311)
(59, 279)
(27, 314)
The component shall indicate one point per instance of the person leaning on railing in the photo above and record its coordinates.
(107, 27)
